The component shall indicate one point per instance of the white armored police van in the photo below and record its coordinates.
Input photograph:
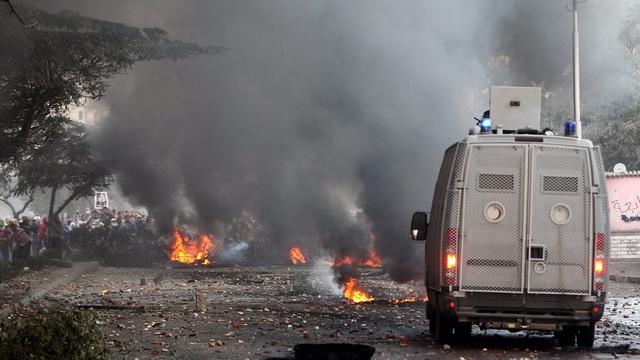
(517, 237)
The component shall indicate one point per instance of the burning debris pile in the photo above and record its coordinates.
(354, 293)
(296, 256)
(187, 245)
(347, 265)
(410, 299)
(373, 261)
(188, 249)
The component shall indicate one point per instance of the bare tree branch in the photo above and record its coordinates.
(8, 203)
(25, 205)
(13, 11)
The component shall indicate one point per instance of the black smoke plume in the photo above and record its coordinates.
(327, 120)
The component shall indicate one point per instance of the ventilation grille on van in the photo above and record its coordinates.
(495, 182)
(560, 184)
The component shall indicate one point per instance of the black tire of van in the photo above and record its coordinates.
(567, 336)
(443, 328)
(431, 317)
(586, 335)
(462, 332)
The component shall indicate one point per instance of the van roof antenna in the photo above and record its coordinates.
(576, 67)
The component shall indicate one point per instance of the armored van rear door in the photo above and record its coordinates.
(559, 236)
(493, 226)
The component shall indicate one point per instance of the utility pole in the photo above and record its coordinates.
(576, 71)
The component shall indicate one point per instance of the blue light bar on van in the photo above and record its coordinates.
(485, 125)
(570, 128)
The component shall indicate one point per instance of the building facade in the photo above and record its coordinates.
(623, 188)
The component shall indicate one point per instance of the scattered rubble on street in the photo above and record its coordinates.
(263, 312)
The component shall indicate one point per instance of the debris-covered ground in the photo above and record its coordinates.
(262, 312)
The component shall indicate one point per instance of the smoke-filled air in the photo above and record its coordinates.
(326, 121)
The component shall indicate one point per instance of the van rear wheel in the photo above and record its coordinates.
(462, 332)
(566, 336)
(586, 335)
(431, 316)
(443, 328)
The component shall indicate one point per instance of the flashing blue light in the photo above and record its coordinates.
(570, 128)
(485, 125)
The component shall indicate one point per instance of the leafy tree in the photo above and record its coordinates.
(619, 137)
(9, 193)
(66, 162)
(60, 59)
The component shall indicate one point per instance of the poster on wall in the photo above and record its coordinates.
(100, 200)
(624, 203)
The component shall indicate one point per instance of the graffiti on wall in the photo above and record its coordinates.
(624, 205)
(627, 210)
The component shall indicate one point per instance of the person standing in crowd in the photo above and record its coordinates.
(5, 240)
(55, 234)
(20, 241)
(33, 231)
(43, 234)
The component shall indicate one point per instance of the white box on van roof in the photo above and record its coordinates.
(516, 107)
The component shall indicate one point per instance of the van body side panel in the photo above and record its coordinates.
(560, 227)
(450, 234)
(601, 207)
(493, 211)
(433, 242)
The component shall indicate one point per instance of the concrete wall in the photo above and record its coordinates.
(624, 203)
(625, 246)
(624, 215)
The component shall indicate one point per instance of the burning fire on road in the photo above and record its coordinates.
(346, 266)
(354, 293)
(410, 300)
(373, 261)
(191, 250)
(296, 256)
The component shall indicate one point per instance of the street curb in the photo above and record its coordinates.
(625, 279)
(76, 271)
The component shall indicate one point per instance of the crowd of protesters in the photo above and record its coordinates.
(91, 233)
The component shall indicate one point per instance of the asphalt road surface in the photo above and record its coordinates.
(262, 312)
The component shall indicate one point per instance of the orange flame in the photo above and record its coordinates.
(187, 250)
(410, 299)
(296, 256)
(354, 293)
(347, 260)
(374, 261)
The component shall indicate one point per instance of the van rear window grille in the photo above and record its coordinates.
(492, 262)
(560, 183)
(495, 182)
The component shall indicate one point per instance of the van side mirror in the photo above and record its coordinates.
(419, 225)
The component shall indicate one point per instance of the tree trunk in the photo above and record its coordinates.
(24, 207)
(71, 197)
(51, 204)
(16, 212)
(10, 205)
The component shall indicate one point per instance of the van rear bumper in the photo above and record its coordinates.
(579, 316)
(521, 311)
